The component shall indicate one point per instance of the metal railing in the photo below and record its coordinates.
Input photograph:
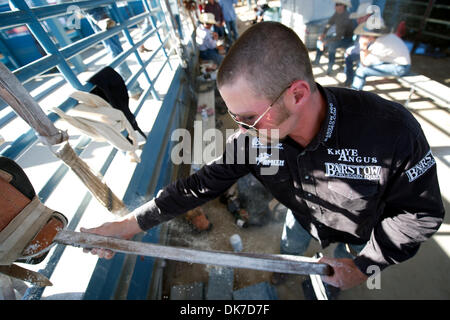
(422, 17)
(155, 153)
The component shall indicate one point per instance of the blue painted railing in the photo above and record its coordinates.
(154, 170)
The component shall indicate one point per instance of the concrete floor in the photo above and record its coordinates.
(425, 276)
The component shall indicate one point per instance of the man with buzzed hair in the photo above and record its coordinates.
(352, 168)
(259, 66)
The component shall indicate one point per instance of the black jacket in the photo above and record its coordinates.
(367, 177)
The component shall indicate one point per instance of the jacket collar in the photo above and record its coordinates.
(327, 134)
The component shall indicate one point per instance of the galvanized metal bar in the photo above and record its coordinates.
(84, 44)
(58, 31)
(7, 119)
(40, 95)
(161, 69)
(263, 262)
(5, 50)
(45, 41)
(131, 42)
(135, 76)
(25, 141)
(12, 19)
(35, 68)
(56, 10)
(46, 63)
(149, 9)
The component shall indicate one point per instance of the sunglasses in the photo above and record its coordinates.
(248, 126)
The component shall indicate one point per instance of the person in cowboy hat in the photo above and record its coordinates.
(343, 37)
(206, 39)
(381, 53)
(351, 55)
(214, 7)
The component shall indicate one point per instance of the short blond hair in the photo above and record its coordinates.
(270, 56)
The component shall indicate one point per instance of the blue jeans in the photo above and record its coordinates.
(384, 69)
(232, 30)
(295, 240)
(331, 47)
(351, 57)
(211, 54)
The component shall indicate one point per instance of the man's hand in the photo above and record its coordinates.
(125, 228)
(346, 274)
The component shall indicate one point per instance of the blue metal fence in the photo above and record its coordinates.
(146, 179)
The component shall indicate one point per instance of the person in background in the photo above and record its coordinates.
(230, 17)
(206, 39)
(261, 7)
(351, 54)
(343, 37)
(101, 21)
(381, 54)
(213, 7)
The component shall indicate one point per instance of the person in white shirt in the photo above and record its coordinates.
(381, 54)
(206, 39)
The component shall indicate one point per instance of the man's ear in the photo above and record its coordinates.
(300, 91)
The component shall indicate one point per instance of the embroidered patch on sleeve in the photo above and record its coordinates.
(420, 168)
